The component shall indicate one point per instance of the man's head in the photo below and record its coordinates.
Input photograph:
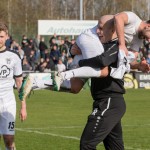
(3, 35)
(144, 33)
(106, 30)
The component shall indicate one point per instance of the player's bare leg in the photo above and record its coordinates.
(9, 142)
(76, 85)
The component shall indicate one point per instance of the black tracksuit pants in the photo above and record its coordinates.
(104, 125)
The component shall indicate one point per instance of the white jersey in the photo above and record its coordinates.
(10, 66)
(131, 31)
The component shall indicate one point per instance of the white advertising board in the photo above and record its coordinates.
(64, 27)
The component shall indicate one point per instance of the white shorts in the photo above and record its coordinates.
(7, 115)
(75, 61)
(89, 45)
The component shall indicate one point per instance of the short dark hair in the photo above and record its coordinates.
(3, 27)
(148, 21)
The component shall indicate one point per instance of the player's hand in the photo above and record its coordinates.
(144, 66)
(23, 111)
(123, 48)
(75, 50)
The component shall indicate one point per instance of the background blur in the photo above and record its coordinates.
(22, 15)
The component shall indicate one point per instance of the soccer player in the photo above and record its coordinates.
(10, 66)
(131, 31)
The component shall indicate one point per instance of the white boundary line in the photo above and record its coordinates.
(139, 125)
(51, 134)
(62, 136)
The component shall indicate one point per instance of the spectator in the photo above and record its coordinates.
(25, 65)
(67, 41)
(36, 43)
(64, 58)
(8, 42)
(42, 66)
(60, 66)
(26, 49)
(14, 46)
(39, 64)
(52, 39)
(42, 47)
(31, 60)
(50, 64)
(46, 54)
(64, 47)
(58, 40)
(53, 43)
(21, 52)
(55, 54)
(69, 63)
(24, 40)
(31, 44)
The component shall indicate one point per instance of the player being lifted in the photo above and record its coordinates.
(90, 46)
(130, 30)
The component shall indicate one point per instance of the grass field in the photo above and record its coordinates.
(56, 120)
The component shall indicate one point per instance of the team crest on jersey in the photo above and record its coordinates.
(4, 71)
(8, 60)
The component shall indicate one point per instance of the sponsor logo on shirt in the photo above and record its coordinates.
(4, 71)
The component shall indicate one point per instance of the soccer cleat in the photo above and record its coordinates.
(57, 80)
(26, 87)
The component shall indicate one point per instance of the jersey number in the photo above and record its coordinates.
(11, 125)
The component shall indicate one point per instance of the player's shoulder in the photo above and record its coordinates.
(14, 53)
(131, 14)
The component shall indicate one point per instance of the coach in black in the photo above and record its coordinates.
(104, 123)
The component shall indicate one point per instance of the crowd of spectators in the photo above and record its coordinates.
(38, 56)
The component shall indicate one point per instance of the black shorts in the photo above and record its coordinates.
(104, 125)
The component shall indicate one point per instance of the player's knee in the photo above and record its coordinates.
(76, 85)
(75, 90)
(9, 140)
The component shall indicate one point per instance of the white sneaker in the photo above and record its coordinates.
(57, 80)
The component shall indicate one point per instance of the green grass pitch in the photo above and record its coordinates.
(56, 120)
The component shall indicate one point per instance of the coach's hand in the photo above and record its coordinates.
(104, 72)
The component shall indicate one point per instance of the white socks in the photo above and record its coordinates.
(66, 84)
(82, 72)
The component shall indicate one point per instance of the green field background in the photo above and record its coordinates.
(56, 120)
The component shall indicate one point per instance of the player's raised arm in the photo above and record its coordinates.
(120, 20)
